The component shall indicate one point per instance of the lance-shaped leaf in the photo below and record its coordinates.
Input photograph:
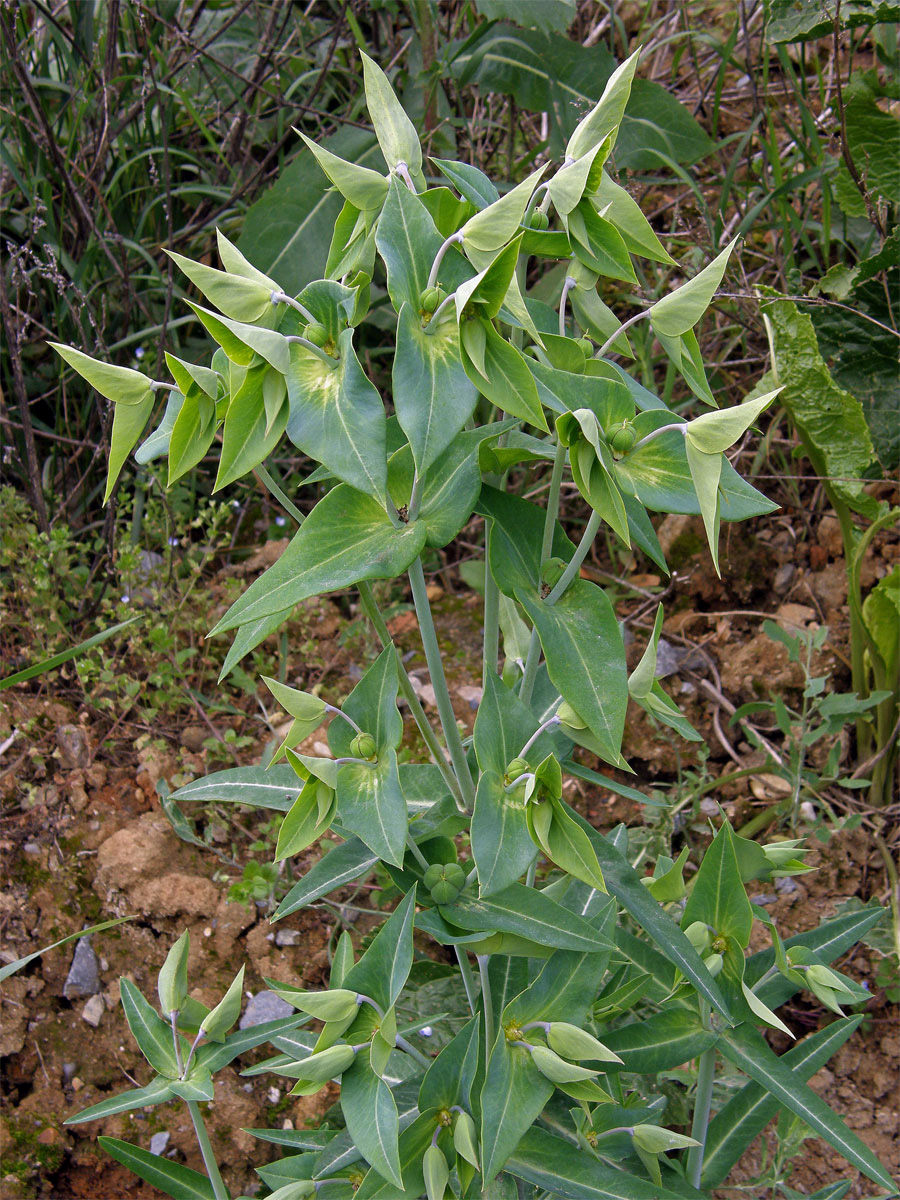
(516, 539)
(449, 1079)
(528, 914)
(152, 1034)
(567, 845)
(172, 983)
(129, 421)
(513, 1095)
(237, 297)
(582, 643)
(471, 183)
(592, 472)
(121, 384)
(364, 188)
(433, 397)
(274, 787)
(157, 1091)
(605, 117)
(384, 968)
(308, 818)
(241, 342)
(495, 225)
(749, 1052)
(307, 710)
(235, 262)
(488, 288)
(371, 804)
(396, 133)
(501, 845)
(249, 436)
(748, 1112)
(499, 371)
(407, 240)
(598, 244)
(715, 432)
(219, 1020)
(706, 471)
(684, 353)
(192, 434)
(347, 537)
(660, 1042)
(189, 375)
(181, 1183)
(717, 897)
(347, 862)
(337, 416)
(572, 180)
(618, 206)
(373, 706)
(680, 310)
(157, 444)
(566, 986)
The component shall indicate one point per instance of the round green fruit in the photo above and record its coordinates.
(539, 220)
(517, 767)
(622, 439)
(552, 570)
(363, 746)
(317, 334)
(431, 298)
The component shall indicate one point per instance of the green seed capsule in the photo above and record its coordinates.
(317, 334)
(444, 892)
(568, 716)
(539, 220)
(455, 874)
(622, 439)
(586, 345)
(433, 875)
(363, 746)
(517, 767)
(552, 570)
(431, 298)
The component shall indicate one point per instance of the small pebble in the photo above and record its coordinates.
(287, 937)
(159, 1142)
(77, 1084)
(265, 1006)
(274, 1095)
(93, 1011)
(786, 886)
(84, 973)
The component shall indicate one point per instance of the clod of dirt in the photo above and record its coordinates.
(84, 974)
(74, 746)
(174, 894)
(93, 1011)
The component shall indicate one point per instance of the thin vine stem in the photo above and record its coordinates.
(439, 683)
(581, 553)
(468, 978)
(533, 657)
(487, 1000)
(613, 337)
(706, 1074)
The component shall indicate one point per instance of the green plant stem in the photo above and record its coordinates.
(627, 325)
(209, 1158)
(581, 553)
(894, 881)
(274, 486)
(468, 979)
(417, 853)
(706, 1074)
(491, 611)
(533, 658)
(429, 737)
(439, 683)
(420, 1058)
(487, 1000)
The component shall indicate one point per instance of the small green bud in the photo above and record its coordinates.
(325, 1065)
(363, 746)
(552, 570)
(573, 1042)
(335, 1005)
(698, 935)
(556, 1069)
(539, 220)
(514, 769)
(465, 1139)
(568, 716)
(719, 944)
(435, 1172)
(622, 439)
(714, 964)
(653, 1139)
(317, 334)
(586, 345)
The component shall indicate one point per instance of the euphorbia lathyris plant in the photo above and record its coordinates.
(587, 979)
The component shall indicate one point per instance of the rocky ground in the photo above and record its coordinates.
(83, 838)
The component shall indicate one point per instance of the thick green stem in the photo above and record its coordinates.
(468, 978)
(429, 737)
(581, 553)
(533, 658)
(491, 611)
(487, 1000)
(706, 1074)
(209, 1158)
(439, 683)
(420, 1058)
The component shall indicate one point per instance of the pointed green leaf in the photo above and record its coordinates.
(566, 986)
(371, 1114)
(157, 444)
(305, 822)
(681, 309)
(364, 188)
(471, 183)
(641, 679)
(152, 1034)
(659, 1042)
(499, 371)
(129, 421)
(748, 1051)
(585, 656)
(598, 244)
(618, 206)
(192, 434)
(241, 341)
(495, 225)
(383, 970)
(396, 134)
(717, 896)
(706, 471)
(274, 787)
(433, 397)
(371, 804)
(501, 845)
(408, 241)
(373, 706)
(347, 862)
(240, 298)
(219, 1020)
(529, 914)
(157, 1091)
(715, 432)
(121, 384)
(172, 982)
(248, 438)
(568, 846)
(181, 1183)
(512, 1097)
(337, 416)
(449, 1079)
(11, 968)
(347, 537)
(605, 117)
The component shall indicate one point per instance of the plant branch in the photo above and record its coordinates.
(613, 337)
(468, 978)
(706, 1074)
(581, 553)
(452, 240)
(487, 1001)
(439, 683)
(209, 1158)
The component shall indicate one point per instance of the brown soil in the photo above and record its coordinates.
(83, 837)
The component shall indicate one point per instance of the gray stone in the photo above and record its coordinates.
(93, 1011)
(265, 1006)
(159, 1142)
(287, 937)
(786, 886)
(84, 974)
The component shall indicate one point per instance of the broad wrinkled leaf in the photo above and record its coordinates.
(347, 537)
